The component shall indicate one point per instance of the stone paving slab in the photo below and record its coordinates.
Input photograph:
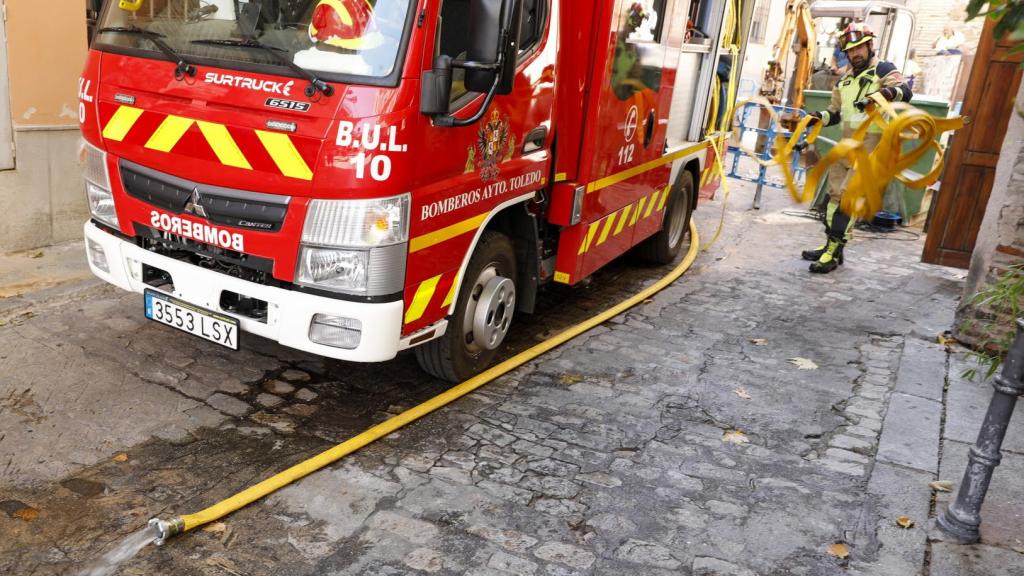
(966, 406)
(910, 436)
(1002, 515)
(922, 369)
(978, 560)
(900, 491)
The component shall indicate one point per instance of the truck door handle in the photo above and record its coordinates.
(535, 139)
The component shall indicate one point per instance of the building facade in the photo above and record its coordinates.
(42, 49)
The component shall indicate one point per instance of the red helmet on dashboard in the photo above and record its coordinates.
(344, 23)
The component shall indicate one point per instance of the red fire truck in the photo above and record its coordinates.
(353, 178)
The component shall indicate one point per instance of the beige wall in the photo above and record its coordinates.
(46, 48)
(43, 195)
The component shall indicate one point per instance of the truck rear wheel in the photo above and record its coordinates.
(482, 317)
(663, 247)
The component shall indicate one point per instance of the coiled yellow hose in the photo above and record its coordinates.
(871, 170)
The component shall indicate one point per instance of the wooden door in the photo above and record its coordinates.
(971, 163)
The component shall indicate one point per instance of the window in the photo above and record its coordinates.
(340, 39)
(645, 20)
(454, 41)
(531, 30)
(759, 23)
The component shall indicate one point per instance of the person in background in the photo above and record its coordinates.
(912, 70)
(949, 43)
(850, 101)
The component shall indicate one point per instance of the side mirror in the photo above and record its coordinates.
(485, 28)
(436, 89)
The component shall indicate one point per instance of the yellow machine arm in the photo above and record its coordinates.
(799, 24)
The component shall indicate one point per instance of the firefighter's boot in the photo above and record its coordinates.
(814, 255)
(831, 258)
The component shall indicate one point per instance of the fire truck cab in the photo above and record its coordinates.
(357, 177)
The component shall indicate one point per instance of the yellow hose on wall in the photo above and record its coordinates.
(177, 525)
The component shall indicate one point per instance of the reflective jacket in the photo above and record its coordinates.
(853, 87)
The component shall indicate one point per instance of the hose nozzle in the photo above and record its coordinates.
(166, 529)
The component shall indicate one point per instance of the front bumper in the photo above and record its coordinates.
(289, 312)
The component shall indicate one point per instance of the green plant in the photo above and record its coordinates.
(1008, 13)
(1003, 299)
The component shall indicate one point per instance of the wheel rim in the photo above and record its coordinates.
(489, 311)
(676, 221)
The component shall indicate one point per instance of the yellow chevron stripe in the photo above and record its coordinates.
(664, 197)
(121, 122)
(654, 200)
(590, 237)
(422, 298)
(609, 221)
(622, 221)
(224, 146)
(169, 133)
(287, 158)
(438, 236)
(639, 209)
(451, 293)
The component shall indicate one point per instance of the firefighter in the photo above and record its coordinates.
(867, 75)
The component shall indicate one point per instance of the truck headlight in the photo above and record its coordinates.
(97, 185)
(355, 246)
(343, 270)
(357, 223)
(101, 204)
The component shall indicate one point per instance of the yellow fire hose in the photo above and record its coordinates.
(871, 170)
(167, 528)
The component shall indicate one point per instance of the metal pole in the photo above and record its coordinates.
(962, 518)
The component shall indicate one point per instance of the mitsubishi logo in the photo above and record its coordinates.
(193, 206)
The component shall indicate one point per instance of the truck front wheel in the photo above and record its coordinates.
(663, 247)
(482, 317)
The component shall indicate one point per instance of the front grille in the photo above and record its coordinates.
(244, 266)
(235, 208)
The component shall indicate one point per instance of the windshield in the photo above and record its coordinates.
(329, 37)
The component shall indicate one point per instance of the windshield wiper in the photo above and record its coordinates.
(183, 66)
(315, 83)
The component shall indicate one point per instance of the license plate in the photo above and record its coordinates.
(206, 324)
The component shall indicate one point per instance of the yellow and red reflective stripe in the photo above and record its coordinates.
(121, 122)
(625, 217)
(424, 293)
(223, 145)
(282, 150)
(664, 197)
(451, 293)
(439, 236)
(590, 237)
(609, 221)
(169, 133)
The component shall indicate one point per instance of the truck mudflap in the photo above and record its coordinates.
(286, 317)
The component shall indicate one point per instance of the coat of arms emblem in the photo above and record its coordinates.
(492, 142)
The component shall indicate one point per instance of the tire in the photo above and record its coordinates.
(664, 246)
(491, 273)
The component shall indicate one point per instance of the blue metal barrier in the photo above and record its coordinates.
(750, 118)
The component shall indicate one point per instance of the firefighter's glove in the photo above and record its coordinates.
(889, 93)
(815, 118)
(863, 103)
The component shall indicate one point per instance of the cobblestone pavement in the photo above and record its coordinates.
(678, 438)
